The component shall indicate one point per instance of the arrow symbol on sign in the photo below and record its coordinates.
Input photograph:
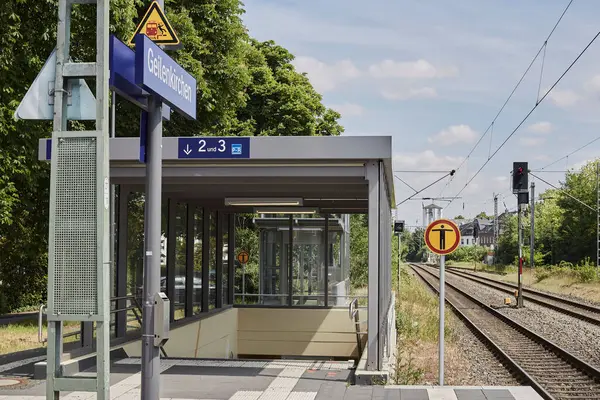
(187, 150)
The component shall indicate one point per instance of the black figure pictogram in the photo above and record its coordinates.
(442, 232)
(162, 29)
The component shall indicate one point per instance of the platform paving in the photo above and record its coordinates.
(186, 379)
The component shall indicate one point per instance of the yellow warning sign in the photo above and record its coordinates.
(156, 27)
(442, 236)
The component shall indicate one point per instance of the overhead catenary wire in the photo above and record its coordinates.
(403, 181)
(568, 155)
(490, 126)
(451, 173)
(530, 111)
(565, 192)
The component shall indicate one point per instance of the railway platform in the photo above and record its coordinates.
(185, 379)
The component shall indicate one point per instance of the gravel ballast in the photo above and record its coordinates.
(576, 336)
(470, 363)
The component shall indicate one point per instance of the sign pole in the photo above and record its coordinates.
(520, 274)
(442, 324)
(152, 231)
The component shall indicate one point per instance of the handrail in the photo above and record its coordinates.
(40, 324)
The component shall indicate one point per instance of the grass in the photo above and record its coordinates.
(24, 336)
(418, 332)
(579, 282)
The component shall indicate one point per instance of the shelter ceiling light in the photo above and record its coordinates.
(283, 210)
(258, 201)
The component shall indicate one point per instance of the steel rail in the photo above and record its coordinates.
(587, 371)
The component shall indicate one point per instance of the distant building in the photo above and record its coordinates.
(479, 231)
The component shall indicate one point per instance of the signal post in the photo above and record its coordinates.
(442, 237)
(520, 177)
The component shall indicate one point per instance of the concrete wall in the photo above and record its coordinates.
(297, 332)
(213, 337)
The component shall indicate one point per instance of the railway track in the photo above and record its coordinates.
(552, 371)
(585, 312)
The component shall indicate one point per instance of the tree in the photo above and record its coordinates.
(459, 217)
(482, 215)
(244, 88)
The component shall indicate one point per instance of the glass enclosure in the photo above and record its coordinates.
(293, 275)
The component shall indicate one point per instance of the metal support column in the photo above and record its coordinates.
(121, 317)
(230, 259)
(532, 233)
(189, 260)
(372, 172)
(520, 273)
(171, 256)
(79, 226)
(597, 214)
(327, 254)
(219, 260)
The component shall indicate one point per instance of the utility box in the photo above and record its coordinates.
(162, 311)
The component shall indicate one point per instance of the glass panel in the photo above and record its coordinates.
(339, 277)
(198, 232)
(308, 266)
(247, 277)
(135, 253)
(180, 259)
(225, 258)
(274, 244)
(212, 261)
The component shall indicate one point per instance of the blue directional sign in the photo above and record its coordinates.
(122, 76)
(214, 147)
(158, 73)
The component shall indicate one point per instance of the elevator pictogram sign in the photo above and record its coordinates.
(442, 236)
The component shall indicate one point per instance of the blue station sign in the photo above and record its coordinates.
(213, 147)
(158, 73)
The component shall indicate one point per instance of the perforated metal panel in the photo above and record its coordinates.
(75, 253)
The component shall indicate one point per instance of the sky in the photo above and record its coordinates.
(434, 74)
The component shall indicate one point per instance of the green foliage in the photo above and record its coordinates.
(482, 215)
(359, 250)
(417, 250)
(245, 87)
(468, 254)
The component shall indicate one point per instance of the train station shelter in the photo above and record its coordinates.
(256, 246)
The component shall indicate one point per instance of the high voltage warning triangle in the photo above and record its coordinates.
(156, 27)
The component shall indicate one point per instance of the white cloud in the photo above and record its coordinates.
(564, 98)
(404, 94)
(326, 77)
(420, 69)
(593, 85)
(426, 160)
(532, 141)
(501, 178)
(541, 127)
(454, 134)
(348, 109)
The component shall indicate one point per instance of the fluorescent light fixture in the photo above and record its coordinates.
(266, 201)
(286, 210)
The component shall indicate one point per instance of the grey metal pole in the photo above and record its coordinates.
(597, 215)
(152, 231)
(442, 324)
(520, 274)
(150, 353)
(399, 259)
(532, 239)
